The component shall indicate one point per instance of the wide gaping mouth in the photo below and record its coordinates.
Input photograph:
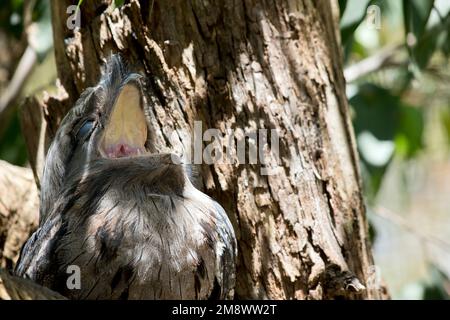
(125, 133)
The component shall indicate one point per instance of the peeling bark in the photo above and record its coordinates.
(15, 288)
(19, 209)
(247, 64)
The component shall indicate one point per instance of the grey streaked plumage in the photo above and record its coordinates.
(135, 226)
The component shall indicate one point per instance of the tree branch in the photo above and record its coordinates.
(373, 63)
(12, 91)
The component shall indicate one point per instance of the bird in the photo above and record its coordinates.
(128, 219)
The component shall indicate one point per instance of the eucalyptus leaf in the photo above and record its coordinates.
(377, 111)
(12, 144)
(355, 11)
(416, 14)
(410, 131)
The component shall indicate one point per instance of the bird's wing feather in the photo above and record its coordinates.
(220, 234)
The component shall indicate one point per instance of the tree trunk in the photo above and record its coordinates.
(249, 64)
(19, 207)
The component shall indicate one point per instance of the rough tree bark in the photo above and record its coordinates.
(245, 64)
(19, 207)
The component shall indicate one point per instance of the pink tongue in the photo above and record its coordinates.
(121, 150)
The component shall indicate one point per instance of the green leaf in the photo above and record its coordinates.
(118, 3)
(12, 144)
(355, 11)
(377, 111)
(445, 119)
(446, 46)
(342, 5)
(432, 40)
(443, 41)
(384, 126)
(420, 47)
(416, 14)
(375, 123)
(423, 51)
(410, 131)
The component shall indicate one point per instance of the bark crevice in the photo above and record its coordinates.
(248, 65)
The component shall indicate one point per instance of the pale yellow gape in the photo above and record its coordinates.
(126, 131)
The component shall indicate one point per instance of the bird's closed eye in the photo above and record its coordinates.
(85, 130)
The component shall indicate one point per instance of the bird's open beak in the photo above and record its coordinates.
(126, 130)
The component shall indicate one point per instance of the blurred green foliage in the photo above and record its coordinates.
(12, 143)
(11, 17)
(391, 104)
(381, 106)
(12, 26)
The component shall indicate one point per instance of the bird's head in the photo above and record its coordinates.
(109, 121)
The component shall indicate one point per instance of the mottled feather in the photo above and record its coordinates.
(136, 226)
